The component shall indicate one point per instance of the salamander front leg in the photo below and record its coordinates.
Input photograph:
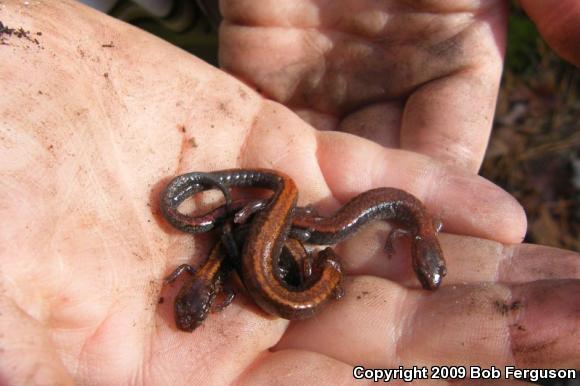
(394, 234)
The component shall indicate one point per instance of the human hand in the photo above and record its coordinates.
(421, 76)
(89, 135)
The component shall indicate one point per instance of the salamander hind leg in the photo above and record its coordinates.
(229, 297)
(178, 272)
(243, 215)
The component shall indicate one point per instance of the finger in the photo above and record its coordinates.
(381, 324)
(559, 24)
(465, 203)
(469, 260)
(526, 263)
(449, 117)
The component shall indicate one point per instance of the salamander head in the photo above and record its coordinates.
(192, 305)
(428, 261)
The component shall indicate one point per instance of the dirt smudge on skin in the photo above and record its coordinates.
(535, 353)
(7, 32)
(362, 294)
(545, 331)
(449, 49)
(518, 327)
(504, 307)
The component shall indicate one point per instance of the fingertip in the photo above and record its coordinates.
(475, 206)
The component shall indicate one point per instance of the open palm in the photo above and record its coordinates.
(91, 131)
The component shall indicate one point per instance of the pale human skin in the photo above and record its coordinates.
(89, 135)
